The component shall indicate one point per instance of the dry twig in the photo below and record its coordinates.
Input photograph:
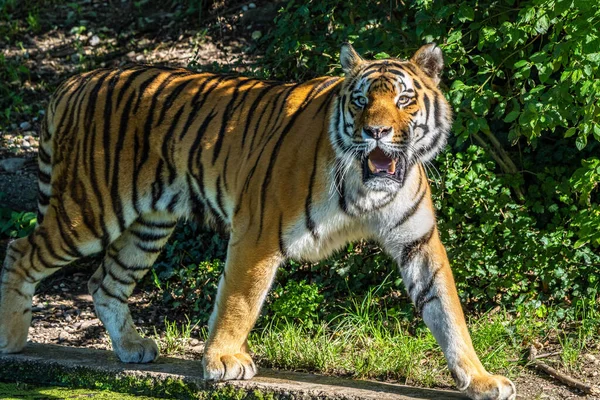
(534, 360)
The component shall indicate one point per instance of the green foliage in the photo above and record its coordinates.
(519, 213)
(15, 224)
(517, 194)
(297, 301)
(188, 270)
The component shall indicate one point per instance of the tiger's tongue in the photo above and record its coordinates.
(379, 159)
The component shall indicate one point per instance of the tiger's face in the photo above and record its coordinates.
(390, 116)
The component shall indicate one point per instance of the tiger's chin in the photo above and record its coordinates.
(384, 173)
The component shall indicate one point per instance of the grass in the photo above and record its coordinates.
(176, 337)
(364, 342)
(20, 391)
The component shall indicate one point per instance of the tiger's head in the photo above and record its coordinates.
(389, 116)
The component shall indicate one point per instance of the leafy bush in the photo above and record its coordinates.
(517, 192)
(188, 270)
(297, 301)
(14, 224)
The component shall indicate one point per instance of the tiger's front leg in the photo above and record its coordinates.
(428, 278)
(249, 271)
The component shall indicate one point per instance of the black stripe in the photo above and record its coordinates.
(118, 262)
(168, 103)
(437, 110)
(148, 249)
(197, 105)
(225, 120)
(72, 249)
(41, 232)
(411, 249)
(420, 298)
(115, 195)
(141, 89)
(425, 302)
(158, 186)
(127, 84)
(111, 294)
(282, 248)
(310, 223)
(251, 109)
(18, 291)
(109, 272)
(220, 198)
(44, 156)
(154, 224)
(149, 236)
(427, 105)
(410, 212)
(275, 153)
(167, 141)
(108, 110)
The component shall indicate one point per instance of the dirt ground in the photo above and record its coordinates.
(115, 35)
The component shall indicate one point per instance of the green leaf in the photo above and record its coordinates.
(570, 132)
(511, 116)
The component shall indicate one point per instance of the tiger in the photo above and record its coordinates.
(289, 170)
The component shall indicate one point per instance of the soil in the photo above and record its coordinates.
(115, 35)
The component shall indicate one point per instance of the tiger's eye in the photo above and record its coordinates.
(404, 100)
(361, 101)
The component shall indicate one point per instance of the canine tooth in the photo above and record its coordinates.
(371, 166)
(392, 168)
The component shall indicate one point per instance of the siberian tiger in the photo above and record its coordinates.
(291, 170)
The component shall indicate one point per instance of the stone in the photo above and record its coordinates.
(251, 5)
(12, 164)
(45, 363)
(25, 125)
(94, 41)
(256, 35)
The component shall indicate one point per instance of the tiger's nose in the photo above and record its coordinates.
(377, 132)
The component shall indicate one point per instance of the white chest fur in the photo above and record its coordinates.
(368, 215)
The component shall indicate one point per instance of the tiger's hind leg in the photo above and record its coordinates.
(127, 260)
(28, 261)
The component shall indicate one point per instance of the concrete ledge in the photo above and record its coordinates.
(176, 378)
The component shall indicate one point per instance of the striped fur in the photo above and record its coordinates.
(289, 170)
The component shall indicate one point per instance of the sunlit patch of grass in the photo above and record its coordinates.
(175, 338)
(365, 342)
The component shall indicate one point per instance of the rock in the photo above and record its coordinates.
(94, 41)
(251, 5)
(12, 164)
(25, 144)
(245, 8)
(25, 125)
(256, 35)
(591, 358)
(139, 57)
(194, 342)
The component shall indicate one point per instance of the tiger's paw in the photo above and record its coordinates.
(491, 387)
(138, 350)
(225, 367)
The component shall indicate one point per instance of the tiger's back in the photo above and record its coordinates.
(146, 139)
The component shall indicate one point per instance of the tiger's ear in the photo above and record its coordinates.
(431, 61)
(349, 58)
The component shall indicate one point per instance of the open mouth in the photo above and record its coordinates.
(379, 164)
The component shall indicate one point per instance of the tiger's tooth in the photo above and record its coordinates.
(392, 168)
(371, 166)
